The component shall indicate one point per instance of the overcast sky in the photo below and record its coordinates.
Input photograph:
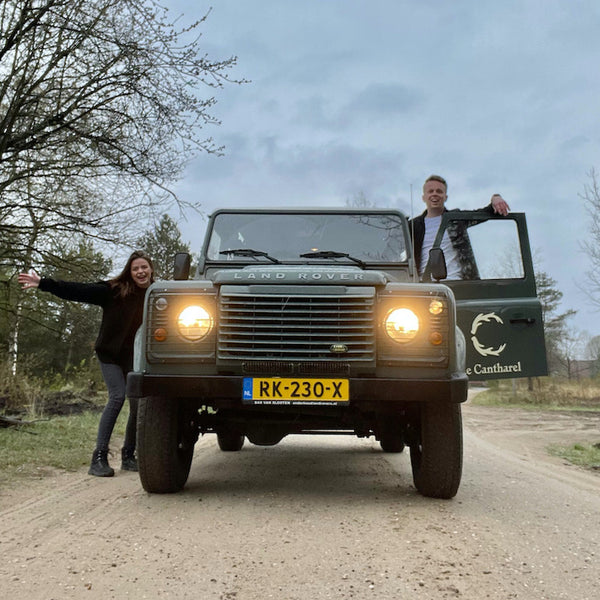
(349, 97)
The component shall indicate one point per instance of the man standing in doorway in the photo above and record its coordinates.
(455, 243)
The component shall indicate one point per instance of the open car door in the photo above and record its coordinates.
(497, 307)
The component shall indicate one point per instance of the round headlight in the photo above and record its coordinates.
(402, 325)
(194, 323)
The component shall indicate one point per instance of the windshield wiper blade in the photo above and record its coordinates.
(332, 254)
(251, 253)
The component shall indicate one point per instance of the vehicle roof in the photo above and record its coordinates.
(344, 210)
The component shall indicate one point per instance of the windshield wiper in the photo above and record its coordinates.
(251, 253)
(332, 254)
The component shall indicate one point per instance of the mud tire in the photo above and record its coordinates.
(437, 450)
(166, 436)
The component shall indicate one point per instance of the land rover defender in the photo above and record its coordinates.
(303, 321)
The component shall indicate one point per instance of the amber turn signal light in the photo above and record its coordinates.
(160, 334)
(435, 338)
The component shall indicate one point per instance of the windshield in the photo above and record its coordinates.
(285, 236)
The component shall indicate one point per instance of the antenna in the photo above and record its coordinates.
(412, 232)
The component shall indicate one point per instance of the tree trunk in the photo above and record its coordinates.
(13, 338)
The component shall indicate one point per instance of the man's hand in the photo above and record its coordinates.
(499, 205)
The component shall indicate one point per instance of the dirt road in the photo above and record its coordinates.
(317, 518)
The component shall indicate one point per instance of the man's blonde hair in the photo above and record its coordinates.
(436, 178)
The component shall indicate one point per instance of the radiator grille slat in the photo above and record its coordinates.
(300, 328)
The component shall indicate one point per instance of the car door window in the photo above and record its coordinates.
(496, 250)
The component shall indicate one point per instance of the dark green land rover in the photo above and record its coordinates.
(315, 322)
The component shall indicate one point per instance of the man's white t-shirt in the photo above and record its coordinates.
(432, 224)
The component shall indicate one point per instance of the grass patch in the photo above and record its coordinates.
(583, 455)
(64, 443)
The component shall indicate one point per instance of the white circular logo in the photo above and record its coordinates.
(477, 322)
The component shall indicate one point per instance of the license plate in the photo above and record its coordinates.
(282, 390)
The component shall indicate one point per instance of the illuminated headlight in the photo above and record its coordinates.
(194, 323)
(402, 325)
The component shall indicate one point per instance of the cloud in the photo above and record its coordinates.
(381, 100)
(373, 97)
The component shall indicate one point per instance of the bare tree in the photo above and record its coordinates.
(592, 353)
(592, 348)
(99, 113)
(102, 103)
(591, 245)
(359, 200)
(570, 346)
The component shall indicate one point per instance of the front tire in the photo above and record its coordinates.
(436, 453)
(167, 432)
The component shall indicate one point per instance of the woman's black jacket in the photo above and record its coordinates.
(121, 317)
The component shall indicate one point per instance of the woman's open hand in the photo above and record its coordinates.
(29, 280)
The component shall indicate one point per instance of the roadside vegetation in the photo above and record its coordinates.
(551, 393)
(50, 423)
(583, 455)
(63, 443)
(547, 393)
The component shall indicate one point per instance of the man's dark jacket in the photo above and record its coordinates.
(457, 232)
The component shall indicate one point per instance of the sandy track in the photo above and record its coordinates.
(319, 518)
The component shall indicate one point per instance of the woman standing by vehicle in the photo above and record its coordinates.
(122, 302)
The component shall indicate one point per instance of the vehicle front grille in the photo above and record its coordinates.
(315, 327)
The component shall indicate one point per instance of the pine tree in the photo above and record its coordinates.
(161, 244)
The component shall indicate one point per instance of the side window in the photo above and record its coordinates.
(486, 250)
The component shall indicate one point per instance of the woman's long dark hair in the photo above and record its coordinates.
(123, 282)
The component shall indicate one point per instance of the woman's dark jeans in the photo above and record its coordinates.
(115, 378)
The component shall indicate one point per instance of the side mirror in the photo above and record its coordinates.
(437, 264)
(181, 269)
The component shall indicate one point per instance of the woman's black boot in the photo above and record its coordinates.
(128, 460)
(100, 466)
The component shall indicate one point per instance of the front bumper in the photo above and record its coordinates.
(227, 390)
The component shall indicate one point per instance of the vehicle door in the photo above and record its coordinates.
(497, 306)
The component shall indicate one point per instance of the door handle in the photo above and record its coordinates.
(525, 320)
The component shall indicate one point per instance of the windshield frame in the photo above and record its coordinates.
(208, 255)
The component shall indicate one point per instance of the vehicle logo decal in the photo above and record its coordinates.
(477, 322)
(338, 348)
